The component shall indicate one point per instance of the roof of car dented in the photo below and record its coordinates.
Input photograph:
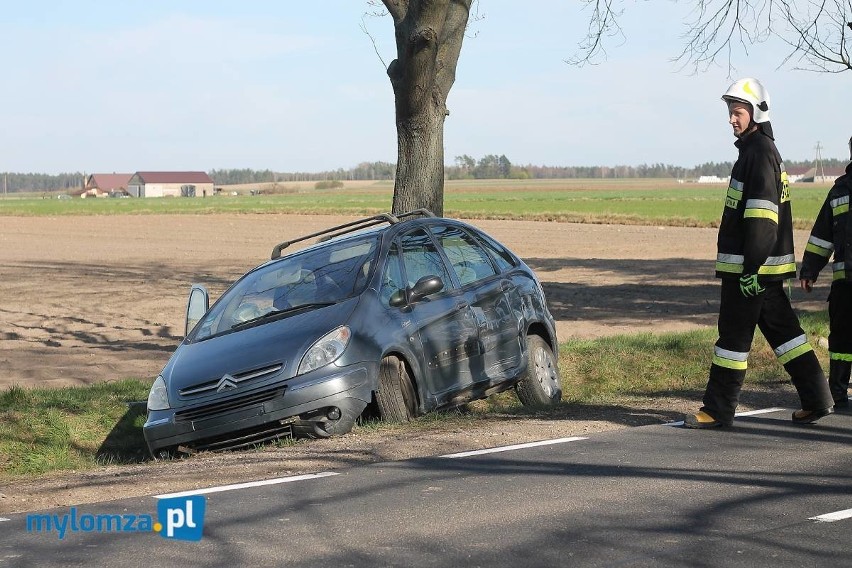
(359, 235)
(391, 230)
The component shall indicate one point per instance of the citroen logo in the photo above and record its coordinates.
(227, 382)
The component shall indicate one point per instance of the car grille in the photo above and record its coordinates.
(230, 381)
(228, 405)
(248, 438)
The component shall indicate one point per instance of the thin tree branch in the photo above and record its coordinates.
(817, 32)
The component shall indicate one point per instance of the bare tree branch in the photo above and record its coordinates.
(602, 24)
(820, 39)
(815, 30)
(363, 26)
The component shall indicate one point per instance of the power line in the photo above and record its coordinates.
(818, 165)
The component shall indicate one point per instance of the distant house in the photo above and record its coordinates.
(170, 184)
(822, 175)
(102, 185)
(796, 174)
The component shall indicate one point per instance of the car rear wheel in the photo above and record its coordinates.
(539, 385)
(395, 398)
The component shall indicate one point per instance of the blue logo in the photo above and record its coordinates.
(178, 518)
(181, 518)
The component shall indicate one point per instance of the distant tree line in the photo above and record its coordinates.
(12, 182)
(491, 166)
(499, 167)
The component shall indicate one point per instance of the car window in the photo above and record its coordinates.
(421, 258)
(467, 258)
(392, 276)
(499, 254)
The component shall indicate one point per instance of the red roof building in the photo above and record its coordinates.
(102, 185)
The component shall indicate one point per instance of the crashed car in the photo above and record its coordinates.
(396, 314)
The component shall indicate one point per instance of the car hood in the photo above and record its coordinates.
(277, 343)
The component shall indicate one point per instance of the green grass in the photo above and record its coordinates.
(49, 429)
(78, 428)
(636, 201)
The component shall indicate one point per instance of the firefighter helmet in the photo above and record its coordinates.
(751, 91)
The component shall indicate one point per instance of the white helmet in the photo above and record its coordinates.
(750, 91)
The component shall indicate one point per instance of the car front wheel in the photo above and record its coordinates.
(395, 397)
(539, 385)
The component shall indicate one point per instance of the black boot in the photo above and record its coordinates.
(838, 382)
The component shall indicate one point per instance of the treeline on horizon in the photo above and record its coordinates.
(463, 167)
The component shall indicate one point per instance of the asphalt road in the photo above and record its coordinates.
(762, 493)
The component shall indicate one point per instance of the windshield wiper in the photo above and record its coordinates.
(276, 314)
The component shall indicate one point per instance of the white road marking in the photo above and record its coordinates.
(4, 519)
(756, 412)
(749, 413)
(831, 517)
(275, 481)
(513, 447)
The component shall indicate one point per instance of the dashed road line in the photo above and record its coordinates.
(832, 517)
(756, 412)
(738, 414)
(514, 447)
(249, 484)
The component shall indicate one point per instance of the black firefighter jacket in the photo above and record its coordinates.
(756, 231)
(831, 234)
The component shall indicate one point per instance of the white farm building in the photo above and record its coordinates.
(170, 184)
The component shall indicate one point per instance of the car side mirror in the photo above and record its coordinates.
(196, 306)
(424, 287)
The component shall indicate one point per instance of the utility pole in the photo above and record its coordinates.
(818, 165)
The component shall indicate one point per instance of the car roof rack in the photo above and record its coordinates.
(338, 230)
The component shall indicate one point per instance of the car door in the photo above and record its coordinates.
(486, 292)
(444, 323)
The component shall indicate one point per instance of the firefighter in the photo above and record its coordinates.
(754, 258)
(832, 233)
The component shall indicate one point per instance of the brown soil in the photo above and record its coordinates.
(89, 299)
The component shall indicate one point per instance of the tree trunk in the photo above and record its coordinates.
(429, 36)
(420, 167)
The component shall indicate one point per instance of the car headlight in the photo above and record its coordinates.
(325, 350)
(158, 397)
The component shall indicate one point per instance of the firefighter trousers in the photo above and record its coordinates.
(840, 339)
(772, 313)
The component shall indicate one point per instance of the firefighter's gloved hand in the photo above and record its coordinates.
(749, 286)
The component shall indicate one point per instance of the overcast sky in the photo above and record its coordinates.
(103, 86)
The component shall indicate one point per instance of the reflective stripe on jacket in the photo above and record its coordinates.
(756, 231)
(831, 234)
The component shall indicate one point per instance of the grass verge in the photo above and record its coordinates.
(77, 428)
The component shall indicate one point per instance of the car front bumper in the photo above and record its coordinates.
(214, 425)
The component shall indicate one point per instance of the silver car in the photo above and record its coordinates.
(394, 315)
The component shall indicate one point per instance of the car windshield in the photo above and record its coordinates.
(316, 277)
